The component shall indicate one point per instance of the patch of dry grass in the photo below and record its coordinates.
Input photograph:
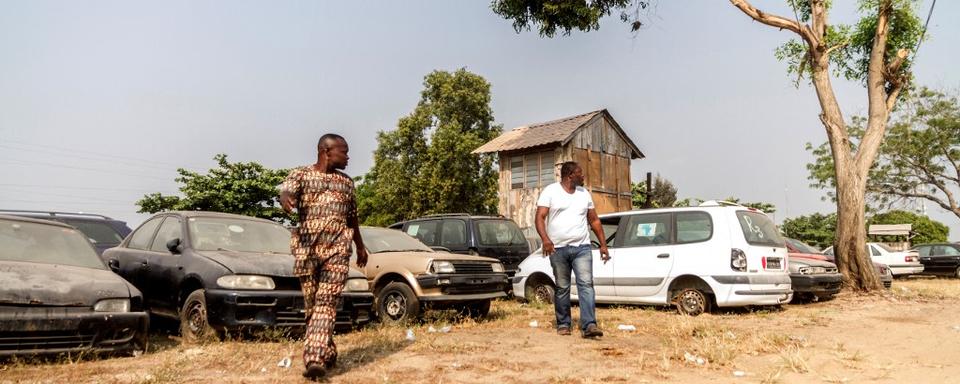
(926, 288)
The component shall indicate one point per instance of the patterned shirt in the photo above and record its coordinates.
(325, 203)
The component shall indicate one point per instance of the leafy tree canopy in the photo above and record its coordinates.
(925, 230)
(426, 166)
(815, 229)
(664, 194)
(919, 158)
(242, 188)
(565, 15)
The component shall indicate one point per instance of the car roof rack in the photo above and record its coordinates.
(53, 213)
(446, 214)
(719, 203)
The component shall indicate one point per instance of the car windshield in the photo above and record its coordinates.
(99, 232)
(801, 246)
(499, 232)
(229, 234)
(47, 244)
(885, 247)
(389, 240)
(758, 229)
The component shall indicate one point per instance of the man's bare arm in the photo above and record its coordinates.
(540, 221)
(597, 228)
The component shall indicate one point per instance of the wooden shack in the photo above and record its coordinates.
(530, 158)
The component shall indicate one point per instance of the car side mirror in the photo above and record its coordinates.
(114, 265)
(174, 245)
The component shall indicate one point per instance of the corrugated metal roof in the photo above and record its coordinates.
(555, 131)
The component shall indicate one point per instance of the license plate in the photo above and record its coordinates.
(773, 263)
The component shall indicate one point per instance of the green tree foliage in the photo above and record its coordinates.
(426, 166)
(242, 188)
(664, 194)
(566, 15)
(919, 158)
(925, 230)
(815, 229)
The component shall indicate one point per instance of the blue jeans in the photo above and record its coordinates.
(580, 260)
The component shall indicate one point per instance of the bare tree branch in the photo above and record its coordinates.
(776, 21)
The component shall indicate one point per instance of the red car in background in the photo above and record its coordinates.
(801, 250)
(812, 277)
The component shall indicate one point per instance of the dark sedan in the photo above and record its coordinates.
(940, 259)
(218, 272)
(57, 296)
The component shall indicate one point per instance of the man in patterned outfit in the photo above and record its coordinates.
(324, 199)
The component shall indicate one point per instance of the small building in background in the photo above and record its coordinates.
(530, 158)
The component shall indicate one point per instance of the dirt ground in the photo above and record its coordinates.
(909, 334)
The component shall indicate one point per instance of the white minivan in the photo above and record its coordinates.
(692, 257)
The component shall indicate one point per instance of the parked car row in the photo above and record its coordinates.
(217, 273)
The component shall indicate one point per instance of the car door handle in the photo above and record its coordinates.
(663, 255)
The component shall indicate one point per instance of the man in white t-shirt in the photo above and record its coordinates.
(563, 211)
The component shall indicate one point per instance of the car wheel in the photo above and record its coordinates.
(476, 310)
(396, 303)
(540, 291)
(691, 302)
(957, 273)
(194, 324)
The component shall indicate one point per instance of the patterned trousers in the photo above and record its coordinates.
(321, 292)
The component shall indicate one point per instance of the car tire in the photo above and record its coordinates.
(396, 303)
(957, 273)
(691, 302)
(194, 321)
(476, 310)
(540, 290)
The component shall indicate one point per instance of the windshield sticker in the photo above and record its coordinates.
(646, 230)
(412, 229)
(235, 228)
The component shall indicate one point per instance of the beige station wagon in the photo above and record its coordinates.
(407, 277)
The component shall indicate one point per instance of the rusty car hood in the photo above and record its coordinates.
(26, 283)
(253, 263)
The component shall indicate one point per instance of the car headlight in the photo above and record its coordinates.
(112, 305)
(356, 285)
(497, 267)
(441, 267)
(246, 282)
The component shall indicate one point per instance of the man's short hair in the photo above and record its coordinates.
(328, 138)
(567, 168)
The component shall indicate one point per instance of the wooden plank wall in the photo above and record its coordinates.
(605, 158)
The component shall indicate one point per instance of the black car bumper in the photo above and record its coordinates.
(227, 309)
(821, 285)
(51, 330)
(465, 287)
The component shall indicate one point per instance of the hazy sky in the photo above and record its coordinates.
(100, 101)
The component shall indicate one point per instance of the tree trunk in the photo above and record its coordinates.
(852, 258)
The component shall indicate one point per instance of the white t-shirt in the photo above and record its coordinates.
(567, 220)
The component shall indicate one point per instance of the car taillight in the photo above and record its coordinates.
(738, 260)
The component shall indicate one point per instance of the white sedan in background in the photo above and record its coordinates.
(901, 263)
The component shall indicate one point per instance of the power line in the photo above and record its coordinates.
(74, 156)
(73, 187)
(101, 170)
(924, 31)
(75, 150)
